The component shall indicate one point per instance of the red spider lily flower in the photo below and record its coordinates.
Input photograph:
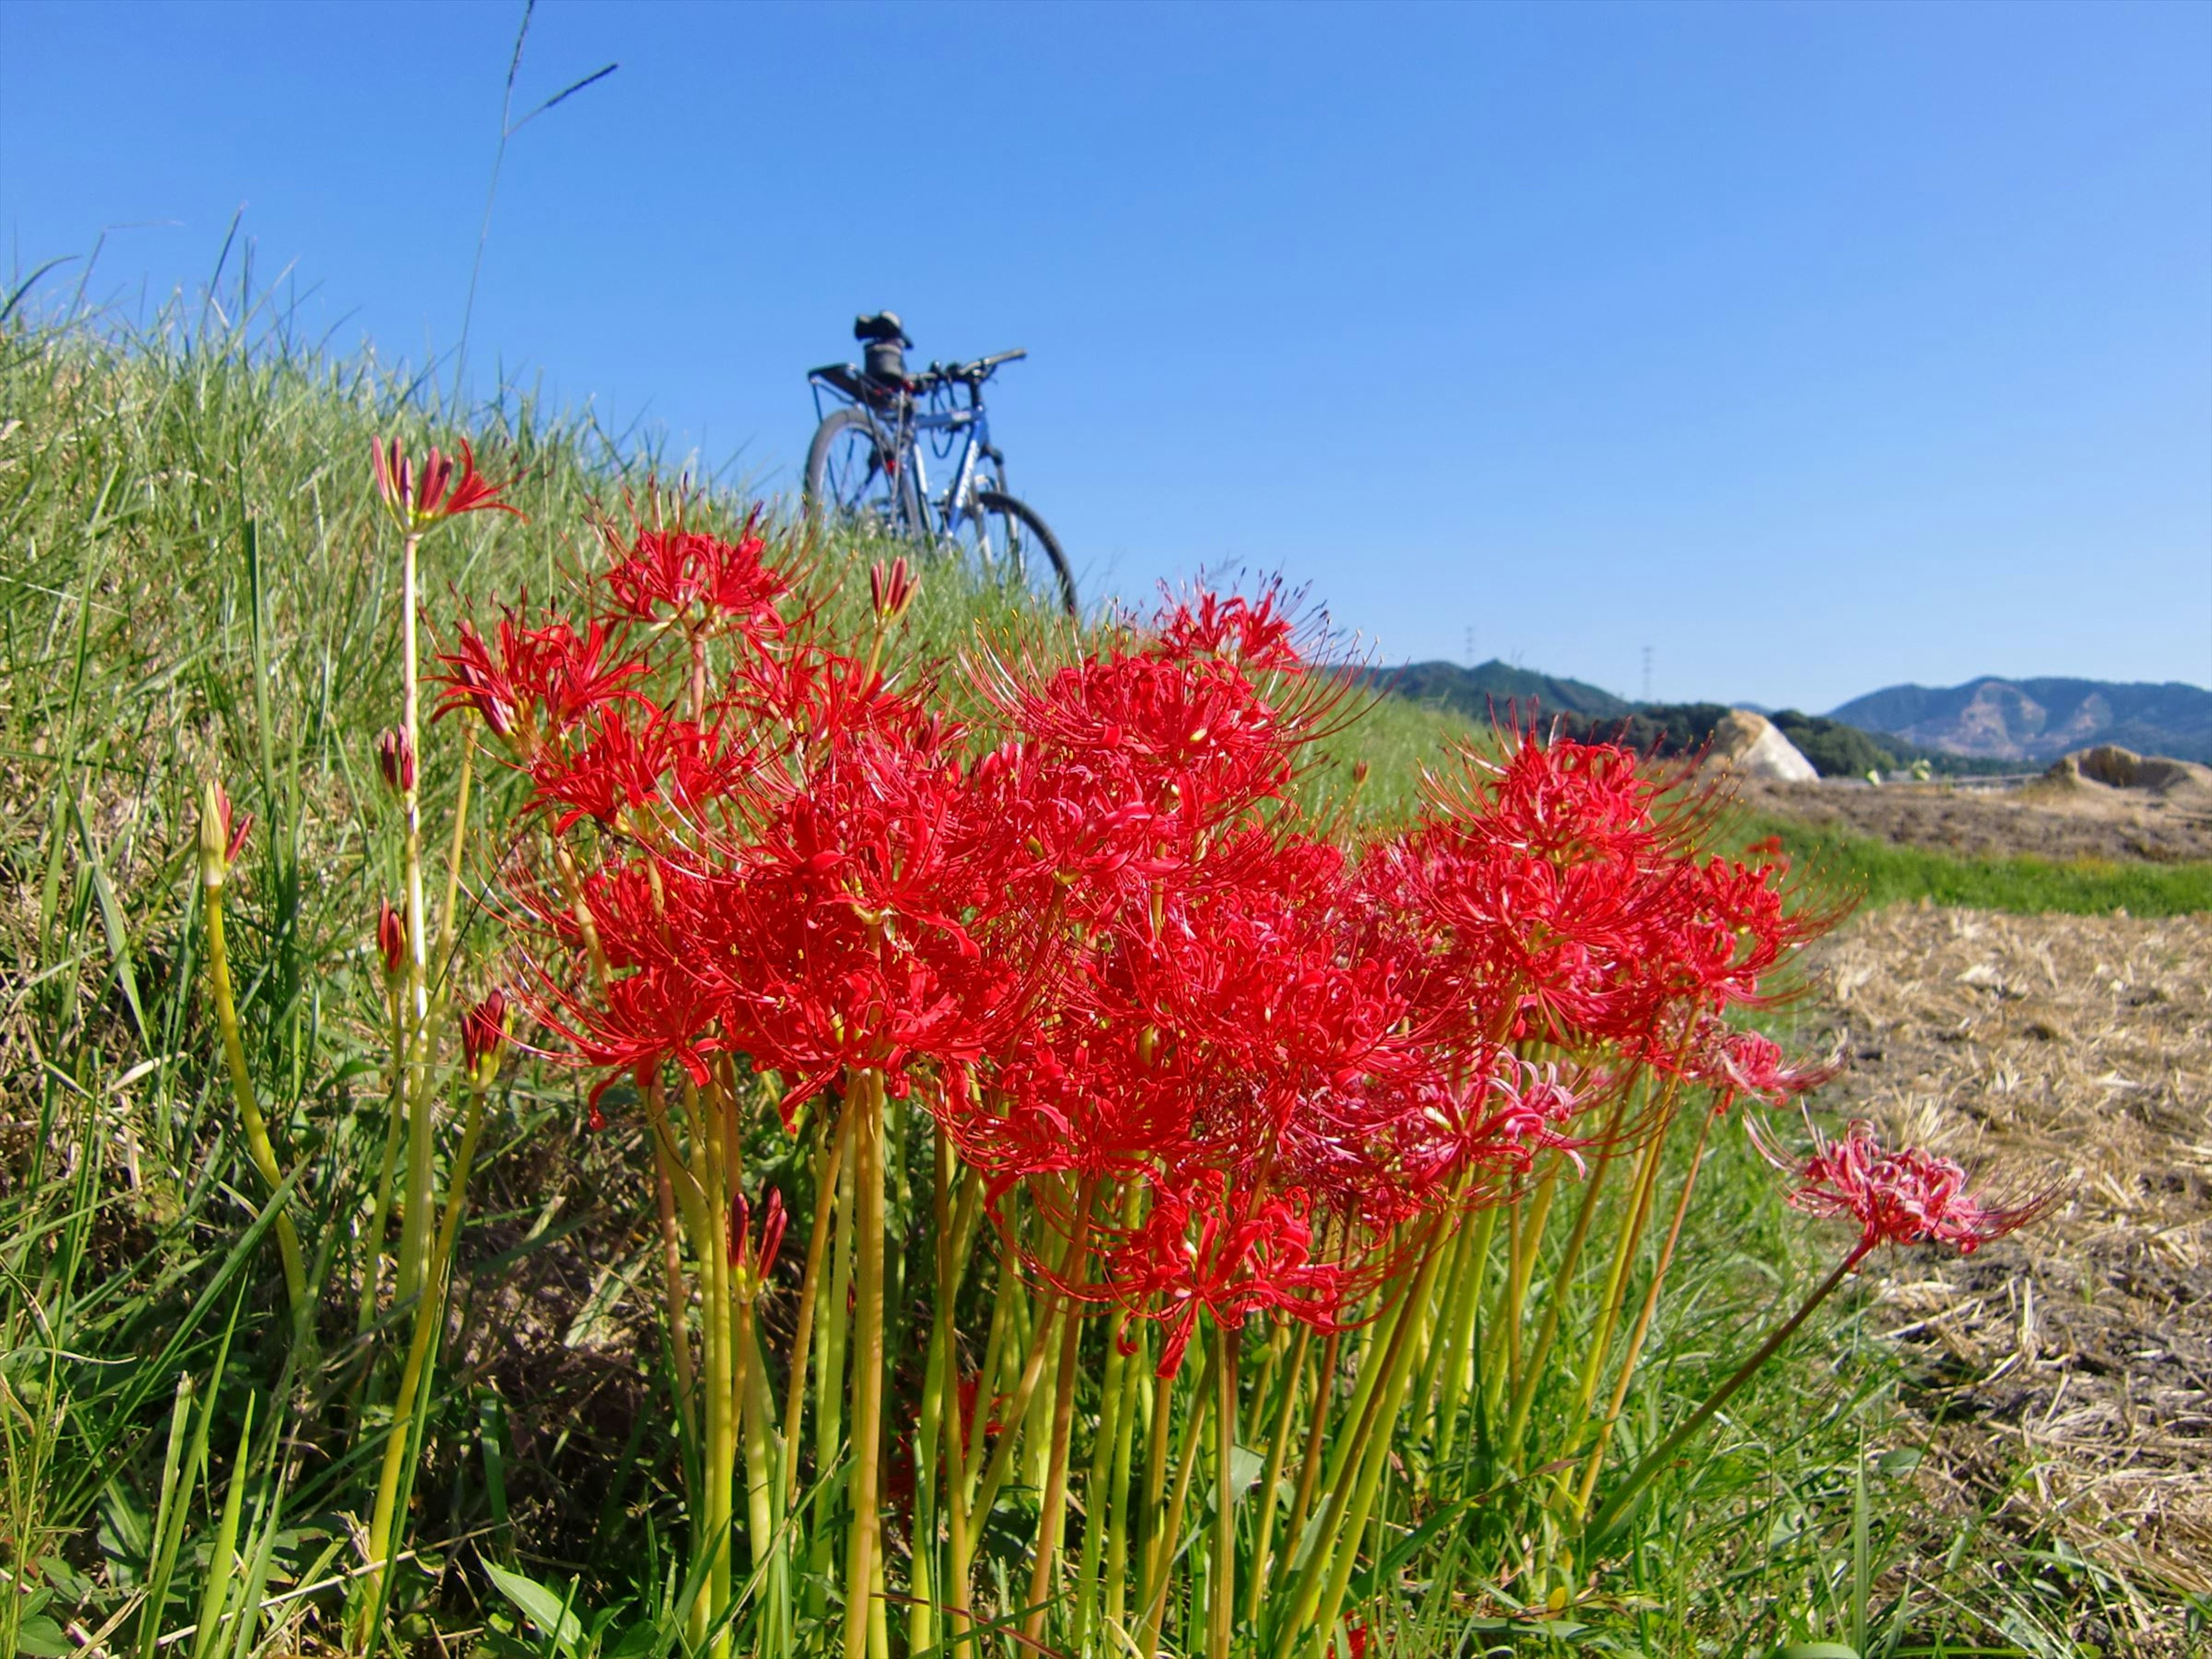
(429, 494)
(751, 1264)
(1194, 1254)
(616, 771)
(670, 569)
(395, 758)
(1901, 1197)
(1736, 1063)
(535, 682)
(390, 937)
(483, 1035)
(892, 588)
(1261, 634)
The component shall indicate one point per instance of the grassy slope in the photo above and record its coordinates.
(193, 587)
(1889, 874)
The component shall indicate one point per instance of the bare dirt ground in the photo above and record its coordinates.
(2054, 820)
(2060, 1380)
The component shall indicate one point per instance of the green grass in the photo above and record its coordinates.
(193, 586)
(1890, 874)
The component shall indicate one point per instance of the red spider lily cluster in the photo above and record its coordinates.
(1235, 1060)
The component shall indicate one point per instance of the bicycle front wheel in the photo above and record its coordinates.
(1005, 538)
(854, 478)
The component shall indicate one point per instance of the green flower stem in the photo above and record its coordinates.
(1528, 1243)
(1052, 1518)
(1324, 1395)
(379, 1214)
(258, 1144)
(1342, 1534)
(1221, 1580)
(865, 1523)
(1570, 1258)
(1152, 1513)
(1160, 1559)
(1389, 1364)
(1459, 1338)
(833, 1318)
(1616, 1282)
(1272, 1473)
(415, 1240)
(761, 1473)
(1644, 1318)
(1618, 1502)
(967, 1464)
(1449, 1288)
(921, 1623)
(429, 1316)
(1101, 1498)
(1133, 1382)
(718, 1506)
(676, 1299)
(1394, 1298)
(828, 1166)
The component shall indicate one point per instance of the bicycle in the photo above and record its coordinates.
(865, 465)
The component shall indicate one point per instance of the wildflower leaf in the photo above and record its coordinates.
(549, 1611)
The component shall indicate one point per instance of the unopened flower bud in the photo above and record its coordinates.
(752, 1267)
(483, 1035)
(1359, 774)
(220, 838)
(390, 937)
(395, 758)
(892, 588)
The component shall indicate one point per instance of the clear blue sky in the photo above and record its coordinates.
(1817, 348)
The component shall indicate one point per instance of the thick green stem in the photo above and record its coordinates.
(829, 1166)
(1133, 1383)
(1351, 1491)
(1617, 1504)
(1644, 1318)
(1221, 1582)
(414, 1375)
(1316, 1432)
(1342, 1538)
(1293, 1375)
(1460, 1338)
(1101, 1498)
(1524, 1395)
(381, 1212)
(249, 1108)
(415, 1239)
(862, 1550)
(1160, 1559)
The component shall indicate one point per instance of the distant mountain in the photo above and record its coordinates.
(2035, 721)
(1473, 691)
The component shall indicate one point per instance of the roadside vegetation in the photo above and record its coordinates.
(198, 1415)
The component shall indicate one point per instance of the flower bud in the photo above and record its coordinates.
(483, 1035)
(220, 839)
(891, 589)
(751, 1266)
(391, 938)
(395, 758)
(1359, 774)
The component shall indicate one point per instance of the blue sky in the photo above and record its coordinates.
(1815, 348)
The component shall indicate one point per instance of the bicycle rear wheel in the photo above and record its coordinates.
(1004, 537)
(855, 480)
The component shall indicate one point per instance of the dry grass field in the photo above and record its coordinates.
(2060, 1380)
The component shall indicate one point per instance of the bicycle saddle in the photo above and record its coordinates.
(884, 328)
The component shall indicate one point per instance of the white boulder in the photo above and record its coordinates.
(1751, 745)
